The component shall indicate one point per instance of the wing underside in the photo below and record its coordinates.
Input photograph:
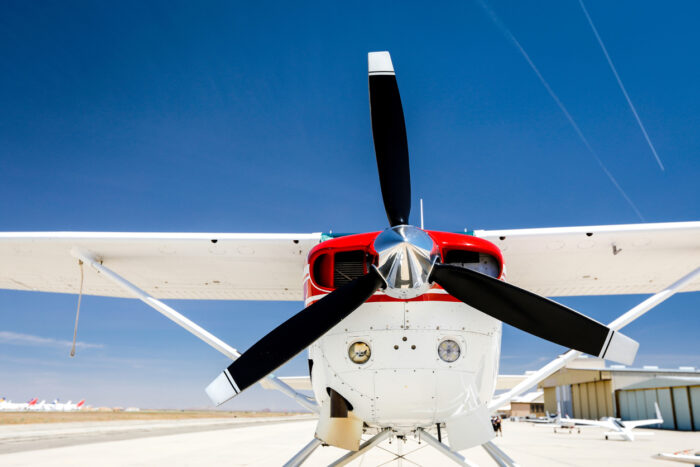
(599, 260)
(203, 266)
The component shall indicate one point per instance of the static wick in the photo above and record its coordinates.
(77, 314)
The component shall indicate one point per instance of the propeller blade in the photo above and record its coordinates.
(292, 336)
(534, 314)
(389, 132)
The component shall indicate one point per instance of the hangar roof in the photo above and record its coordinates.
(665, 382)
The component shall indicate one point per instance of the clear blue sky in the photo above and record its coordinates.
(246, 117)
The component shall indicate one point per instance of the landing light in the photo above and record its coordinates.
(449, 351)
(359, 352)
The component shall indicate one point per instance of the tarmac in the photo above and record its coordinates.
(271, 442)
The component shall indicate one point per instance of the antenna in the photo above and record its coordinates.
(421, 214)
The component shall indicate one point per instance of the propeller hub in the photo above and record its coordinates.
(406, 258)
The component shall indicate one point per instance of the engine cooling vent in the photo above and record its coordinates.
(349, 265)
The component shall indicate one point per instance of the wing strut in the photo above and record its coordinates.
(77, 313)
(187, 324)
(616, 325)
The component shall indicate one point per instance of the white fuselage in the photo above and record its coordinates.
(405, 384)
(9, 406)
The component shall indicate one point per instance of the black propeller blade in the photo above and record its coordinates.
(532, 313)
(390, 144)
(298, 332)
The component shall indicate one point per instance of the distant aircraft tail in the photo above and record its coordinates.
(558, 417)
(33, 401)
(80, 404)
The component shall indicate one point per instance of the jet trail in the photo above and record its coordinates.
(622, 87)
(559, 103)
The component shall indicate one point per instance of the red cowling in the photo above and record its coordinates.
(358, 252)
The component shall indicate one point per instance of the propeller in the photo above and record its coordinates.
(534, 314)
(408, 265)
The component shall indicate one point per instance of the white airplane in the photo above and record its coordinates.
(9, 406)
(549, 419)
(403, 325)
(38, 407)
(687, 456)
(57, 406)
(617, 427)
(71, 407)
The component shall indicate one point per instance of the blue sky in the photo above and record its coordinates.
(181, 116)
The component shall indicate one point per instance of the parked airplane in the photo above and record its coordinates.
(38, 407)
(57, 406)
(549, 419)
(403, 326)
(9, 406)
(34, 406)
(617, 427)
(70, 407)
(687, 456)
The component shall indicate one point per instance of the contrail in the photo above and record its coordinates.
(9, 337)
(622, 87)
(559, 103)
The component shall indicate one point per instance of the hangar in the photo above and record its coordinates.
(586, 388)
(530, 405)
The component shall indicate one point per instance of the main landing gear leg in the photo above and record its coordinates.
(364, 447)
(444, 449)
(304, 454)
(501, 458)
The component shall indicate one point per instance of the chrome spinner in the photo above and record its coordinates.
(406, 258)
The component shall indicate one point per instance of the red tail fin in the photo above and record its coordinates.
(33, 401)
(80, 404)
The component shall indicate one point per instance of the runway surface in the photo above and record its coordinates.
(271, 442)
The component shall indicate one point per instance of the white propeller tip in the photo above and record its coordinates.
(621, 349)
(380, 63)
(220, 390)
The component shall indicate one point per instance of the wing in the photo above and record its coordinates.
(599, 260)
(584, 423)
(204, 266)
(653, 421)
(637, 423)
